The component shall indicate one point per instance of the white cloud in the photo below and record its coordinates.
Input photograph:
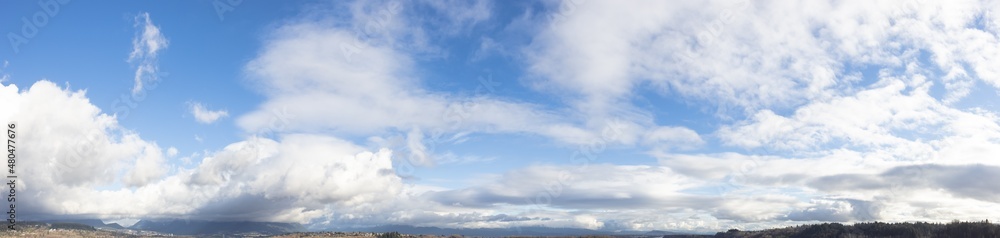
(878, 113)
(74, 153)
(721, 55)
(274, 172)
(840, 186)
(70, 146)
(171, 152)
(665, 137)
(204, 115)
(896, 117)
(418, 151)
(566, 187)
(790, 70)
(751, 55)
(351, 185)
(371, 89)
(821, 143)
(146, 45)
(148, 167)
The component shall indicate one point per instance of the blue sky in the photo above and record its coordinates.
(592, 114)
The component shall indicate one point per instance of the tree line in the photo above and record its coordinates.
(956, 229)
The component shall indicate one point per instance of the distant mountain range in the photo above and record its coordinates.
(195, 227)
(185, 227)
(96, 223)
(503, 232)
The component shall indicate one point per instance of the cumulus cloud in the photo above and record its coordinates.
(75, 155)
(204, 115)
(146, 45)
(70, 146)
(303, 177)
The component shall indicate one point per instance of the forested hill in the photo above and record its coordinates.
(955, 229)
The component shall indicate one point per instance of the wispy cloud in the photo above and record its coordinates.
(3, 74)
(204, 115)
(146, 44)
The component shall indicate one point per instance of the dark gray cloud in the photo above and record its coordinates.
(977, 181)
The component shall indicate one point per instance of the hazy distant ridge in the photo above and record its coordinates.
(195, 227)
